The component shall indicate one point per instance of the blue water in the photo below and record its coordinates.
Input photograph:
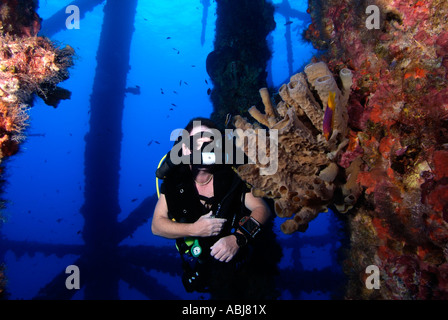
(43, 231)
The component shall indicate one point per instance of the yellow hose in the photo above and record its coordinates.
(157, 179)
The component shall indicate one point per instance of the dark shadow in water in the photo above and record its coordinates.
(130, 263)
(328, 279)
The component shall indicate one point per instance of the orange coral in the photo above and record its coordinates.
(386, 145)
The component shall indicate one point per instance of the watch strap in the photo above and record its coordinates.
(241, 239)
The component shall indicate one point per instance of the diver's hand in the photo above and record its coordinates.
(224, 249)
(207, 226)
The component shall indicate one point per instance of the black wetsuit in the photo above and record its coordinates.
(184, 201)
(249, 275)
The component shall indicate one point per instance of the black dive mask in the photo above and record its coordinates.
(209, 154)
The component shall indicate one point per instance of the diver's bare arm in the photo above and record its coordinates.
(163, 226)
(259, 209)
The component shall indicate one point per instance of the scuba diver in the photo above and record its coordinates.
(210, 212)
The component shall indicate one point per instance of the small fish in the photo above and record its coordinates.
(135, 199)
(288, 22)
(175, 92)
(150, 142)
(209, 91)
(59, 220)
(171, 109)
(157, 142)
(193, 66)
(133, 90)
(174, 105)
(161, 91)
(228, 118)
(206, 81)
(329, 116)
(186, 83)
(36, 135)
(180, 83)
(168, 38)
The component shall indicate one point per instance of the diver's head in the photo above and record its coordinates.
(203, 132)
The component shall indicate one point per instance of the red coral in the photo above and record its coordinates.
(438, 198)
(400, 103)
(368, 180)
(441, 164)
(386, 145)
(442, 44)
(357, 115)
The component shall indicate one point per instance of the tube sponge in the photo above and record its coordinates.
(324, 85)
(308, 175)
(316, 70)
(346, 76)
(297, 94)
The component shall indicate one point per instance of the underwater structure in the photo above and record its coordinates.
(388, 169)
(28, 65)
(237, 66)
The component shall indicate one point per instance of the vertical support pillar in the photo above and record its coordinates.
(103, 149)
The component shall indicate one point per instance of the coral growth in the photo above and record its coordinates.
(28, 65)
(399, 112)
(19, 18)
(308, 178)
